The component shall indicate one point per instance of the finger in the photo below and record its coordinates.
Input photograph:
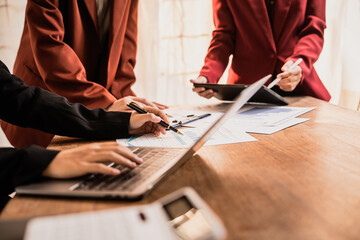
(295, 71)
(112, 156)
(200, 79)
(284, 81)
(158, 112)
(286, 88)
(287, 65)
(103, 149)
(283, 75)
(198, 90)
(101, 168)
(206, 93)
(144, 101)
(99, 146)
(128, 154)
(160, 106)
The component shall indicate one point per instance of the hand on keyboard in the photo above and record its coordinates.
(88, 159)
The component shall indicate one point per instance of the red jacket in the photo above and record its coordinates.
(60, 51)
(243, 29)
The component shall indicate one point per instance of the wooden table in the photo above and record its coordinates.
(299, 183)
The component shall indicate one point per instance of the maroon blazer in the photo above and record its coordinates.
(243, 29)
(60, 51)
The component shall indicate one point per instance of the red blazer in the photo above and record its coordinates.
(60, 51)
(243, 29)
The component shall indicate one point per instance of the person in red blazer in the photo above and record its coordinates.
(79, 50)
(267, 36)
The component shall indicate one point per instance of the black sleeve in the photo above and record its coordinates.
(20, 166)
(37, 108)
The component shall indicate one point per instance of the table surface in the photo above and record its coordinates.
(299, 183)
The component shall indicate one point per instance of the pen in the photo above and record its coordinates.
(191, 119)
(273, 83)
(138, 109)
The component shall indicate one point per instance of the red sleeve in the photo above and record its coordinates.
(59, 66)
(125, 75)
(222, 43)
(311, 36)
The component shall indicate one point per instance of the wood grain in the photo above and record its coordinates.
(299, 183)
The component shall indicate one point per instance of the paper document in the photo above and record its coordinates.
(225, 135)
(269, 116)
(274, 128)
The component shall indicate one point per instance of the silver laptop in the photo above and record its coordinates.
(136, 183)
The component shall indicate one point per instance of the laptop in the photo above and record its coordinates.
(132, 184)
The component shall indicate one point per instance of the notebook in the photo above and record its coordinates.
(136, 183)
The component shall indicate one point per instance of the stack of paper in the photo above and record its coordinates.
(268, 120)
(263, 120)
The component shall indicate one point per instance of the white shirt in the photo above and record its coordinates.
(103, 12)
(4, 142)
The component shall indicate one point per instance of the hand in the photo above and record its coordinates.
(289, 80)
(147, 123)
(202, 91)
(87, 159)
(120, 104)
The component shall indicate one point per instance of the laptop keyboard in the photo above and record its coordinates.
(128, 179)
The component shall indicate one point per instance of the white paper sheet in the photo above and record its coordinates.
(273, 129)
(224, 135)
(269, 116)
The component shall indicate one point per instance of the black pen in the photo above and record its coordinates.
(190, 119)
(140, 110)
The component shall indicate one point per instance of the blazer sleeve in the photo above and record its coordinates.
(57, 63)
(37, 108)
(21, 166)
(222, 43)
(311, 37)
(125, 75)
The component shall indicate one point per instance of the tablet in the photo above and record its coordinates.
(228, 92)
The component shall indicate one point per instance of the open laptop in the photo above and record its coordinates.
(136, 183)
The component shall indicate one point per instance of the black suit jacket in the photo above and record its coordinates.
(36, 108)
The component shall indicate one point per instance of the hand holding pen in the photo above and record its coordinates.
(290, 78)
(141, 110)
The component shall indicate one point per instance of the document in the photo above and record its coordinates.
(273, 128)
(269, 116)
(262, 120)
(192, 132)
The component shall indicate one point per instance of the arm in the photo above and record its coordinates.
(36, 108)
(222, 43)
(20, 166)
(57, 63)
(311, 37)
(125, 76)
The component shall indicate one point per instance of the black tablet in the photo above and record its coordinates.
(228, 92)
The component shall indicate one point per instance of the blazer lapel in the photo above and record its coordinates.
(280, 14)
(91, 7)
(260, 12)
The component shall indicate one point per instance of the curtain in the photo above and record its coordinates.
(339, 60)
(12, 14)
